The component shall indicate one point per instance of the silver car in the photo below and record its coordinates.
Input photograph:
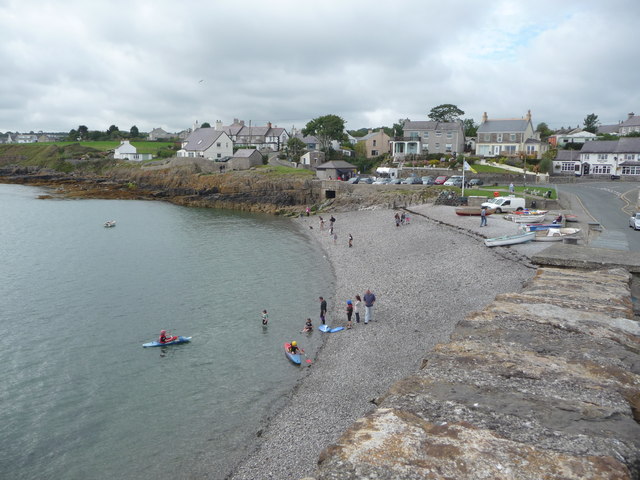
(634, 221)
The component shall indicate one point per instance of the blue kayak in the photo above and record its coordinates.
(178, 340)
(294, 357)
(328, 329)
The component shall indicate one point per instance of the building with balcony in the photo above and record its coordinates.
(424, 137)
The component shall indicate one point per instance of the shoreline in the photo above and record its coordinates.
(426, 276)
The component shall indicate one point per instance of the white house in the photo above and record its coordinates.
(207, 143)
(510, 137)
(601, 158)
(126, 151)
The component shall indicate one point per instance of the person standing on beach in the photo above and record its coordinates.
(356, 308)
(350, 240)
(335, 238)
(349, 313)
(323, 309)
(369, 300)
(321, 223)
(483, 217)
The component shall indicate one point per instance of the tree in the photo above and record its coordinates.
(544, 130)
(83, 132)
(470, 127)
(205, 125)
(325, 129)
(445, 113)
(295, 148)
(591, 123)
(398, 129)
(113, 132)
(134, 132)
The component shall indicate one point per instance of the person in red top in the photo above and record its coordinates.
(164, 339)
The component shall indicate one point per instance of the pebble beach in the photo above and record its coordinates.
(426, 275)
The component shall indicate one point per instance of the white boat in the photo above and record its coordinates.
(110, 223)
(526, 218)
(555, 234)
(509, 239)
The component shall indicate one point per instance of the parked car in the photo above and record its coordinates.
(354, 180)
(381, 181)
(412, 181)
(368, 180)
(454, 181)
(440, 180)
(634, 221)
(474, 182)
(427, 180)
(395, 181)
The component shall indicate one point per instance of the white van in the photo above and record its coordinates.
(505, 204)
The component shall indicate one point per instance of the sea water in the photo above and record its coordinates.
(80, 398)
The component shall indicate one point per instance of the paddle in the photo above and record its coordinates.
(308, 360)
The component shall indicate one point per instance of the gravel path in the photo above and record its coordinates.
(426, 276)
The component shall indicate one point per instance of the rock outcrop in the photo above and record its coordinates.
(544, 383)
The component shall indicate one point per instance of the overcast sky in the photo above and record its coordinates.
(157, 63)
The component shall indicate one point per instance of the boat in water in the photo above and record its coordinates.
(510, 239)
(110, 223)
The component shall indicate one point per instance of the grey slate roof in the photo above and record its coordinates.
(634, 121)
(623, 145)
(339, 164)
(244, 153)
(608, 128)
(430, 125)
(568, 155)
(501, 126)
(201, 139)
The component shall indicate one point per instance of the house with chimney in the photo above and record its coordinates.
(423, 137)
(267, 137)
(126, 151)
(630, 125)
(206, 143)
(601, 158)
(510, 137)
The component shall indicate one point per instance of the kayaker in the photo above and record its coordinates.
(293, 348)
(164, 339)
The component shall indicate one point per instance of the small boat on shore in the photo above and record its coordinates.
(472, 211)
(529, 211)
(526, 218)
(110, 223)
(534, 227)
(569, 217)
(509, 239)
(555, 234)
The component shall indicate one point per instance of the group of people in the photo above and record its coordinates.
(332, 232)
(353, 308)
(401, 219)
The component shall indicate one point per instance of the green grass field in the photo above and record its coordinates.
(141, 146)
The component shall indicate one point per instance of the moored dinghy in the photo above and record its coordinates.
(110, 223)
(555, 234)
(509, 239)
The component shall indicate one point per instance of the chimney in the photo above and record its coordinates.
(242, 122)
(235, 120)
(528, 116)
(631, 114)
(269, 125)
(485, 118)
(218, 125)
(369, 132)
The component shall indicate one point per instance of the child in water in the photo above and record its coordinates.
(308, 326)
(265, 318)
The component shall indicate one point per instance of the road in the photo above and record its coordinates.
(610, 204)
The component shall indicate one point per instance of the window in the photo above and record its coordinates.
(512, 137)
(602, 156)
(437, 146)
(567, 167)
(531, 149)
(601, 169)
(487, 137)
(374, 153)
(449, 134)
(218, 144)
(629, 156)
(413, 135)
(631, 170)
(509, 149)
(219, 155)
(448, 147)
(374, 143)
(438, 134)
(585, 156)
(425, 134)
(499, 139)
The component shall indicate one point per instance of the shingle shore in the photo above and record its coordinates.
(426, 276)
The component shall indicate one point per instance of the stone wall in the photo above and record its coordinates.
(540, 384)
